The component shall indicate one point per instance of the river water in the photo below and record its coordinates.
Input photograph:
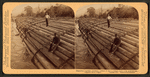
(83, 57)
(20, 58)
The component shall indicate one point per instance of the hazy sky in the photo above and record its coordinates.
(83, 9)
(19, 9)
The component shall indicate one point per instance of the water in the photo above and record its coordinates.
(20, 58)
(83, 57)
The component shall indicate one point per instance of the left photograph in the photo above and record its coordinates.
(42, 36)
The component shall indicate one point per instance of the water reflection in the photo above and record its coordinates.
(20, 58)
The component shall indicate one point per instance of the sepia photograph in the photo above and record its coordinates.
(107, 37)
(42, 36)
(75, 38)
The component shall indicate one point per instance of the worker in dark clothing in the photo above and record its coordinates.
(116, 44)
(87, 33)
(46, 17)
(108, 20)
(55, 43)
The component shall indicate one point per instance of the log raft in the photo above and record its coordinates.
(37, 39)
(100, 38)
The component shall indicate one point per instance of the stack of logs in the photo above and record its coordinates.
(99, 40)
(37, 38)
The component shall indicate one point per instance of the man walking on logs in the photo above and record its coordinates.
(55, 43)
(47, 16)
(115, 45)
(108, 20)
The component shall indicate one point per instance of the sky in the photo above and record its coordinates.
(83, 9)
(19, 9)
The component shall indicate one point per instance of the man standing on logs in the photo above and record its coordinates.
(108, 20)
(47, 16)
(55, 43)
(116, 44)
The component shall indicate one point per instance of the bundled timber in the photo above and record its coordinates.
(37, 39)
(99, 41)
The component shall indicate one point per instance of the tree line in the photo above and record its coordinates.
(117, 12)
(57, 10)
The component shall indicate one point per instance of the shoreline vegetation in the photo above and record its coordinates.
(58, 10)
(120, 12)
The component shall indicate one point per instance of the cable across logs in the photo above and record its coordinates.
(98, 37)
(37, 39)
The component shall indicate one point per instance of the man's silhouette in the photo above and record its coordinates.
(55, 43)
(116, 43)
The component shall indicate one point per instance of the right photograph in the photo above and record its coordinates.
(107, 37)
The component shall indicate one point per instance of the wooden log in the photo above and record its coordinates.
(124, 26)
(102, 59)
(55, 21)
(136, 33)
(128, 31)
(131, 63)
(128, 24)
(60, 28)
(65, 51)
(62, 56)
(72, 34)
(98, 64)
(53, 58)
(115, 60)
(133, 35)
(122, 42)
(136, 59)
(126, 67)
(36, 61)
(122, 38)
(61, 45)
(64, 44)
(90, 45)
(126, 36)
(57, 52)
(70, 39)
(44, 50)
(118, 54)
(64, 22)
(51, 34)
(106, 65)
(120, 48)
(121, 27)
(65, 58)
(45, 62)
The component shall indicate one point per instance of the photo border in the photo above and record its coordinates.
(94, 73)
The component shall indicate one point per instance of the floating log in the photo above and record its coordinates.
(107, 64)
(106, 53)
(35, 60)
(100, 37)
(122, 38)
(124, 58)
(38, 43)
(97, 62)
(45, 62)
